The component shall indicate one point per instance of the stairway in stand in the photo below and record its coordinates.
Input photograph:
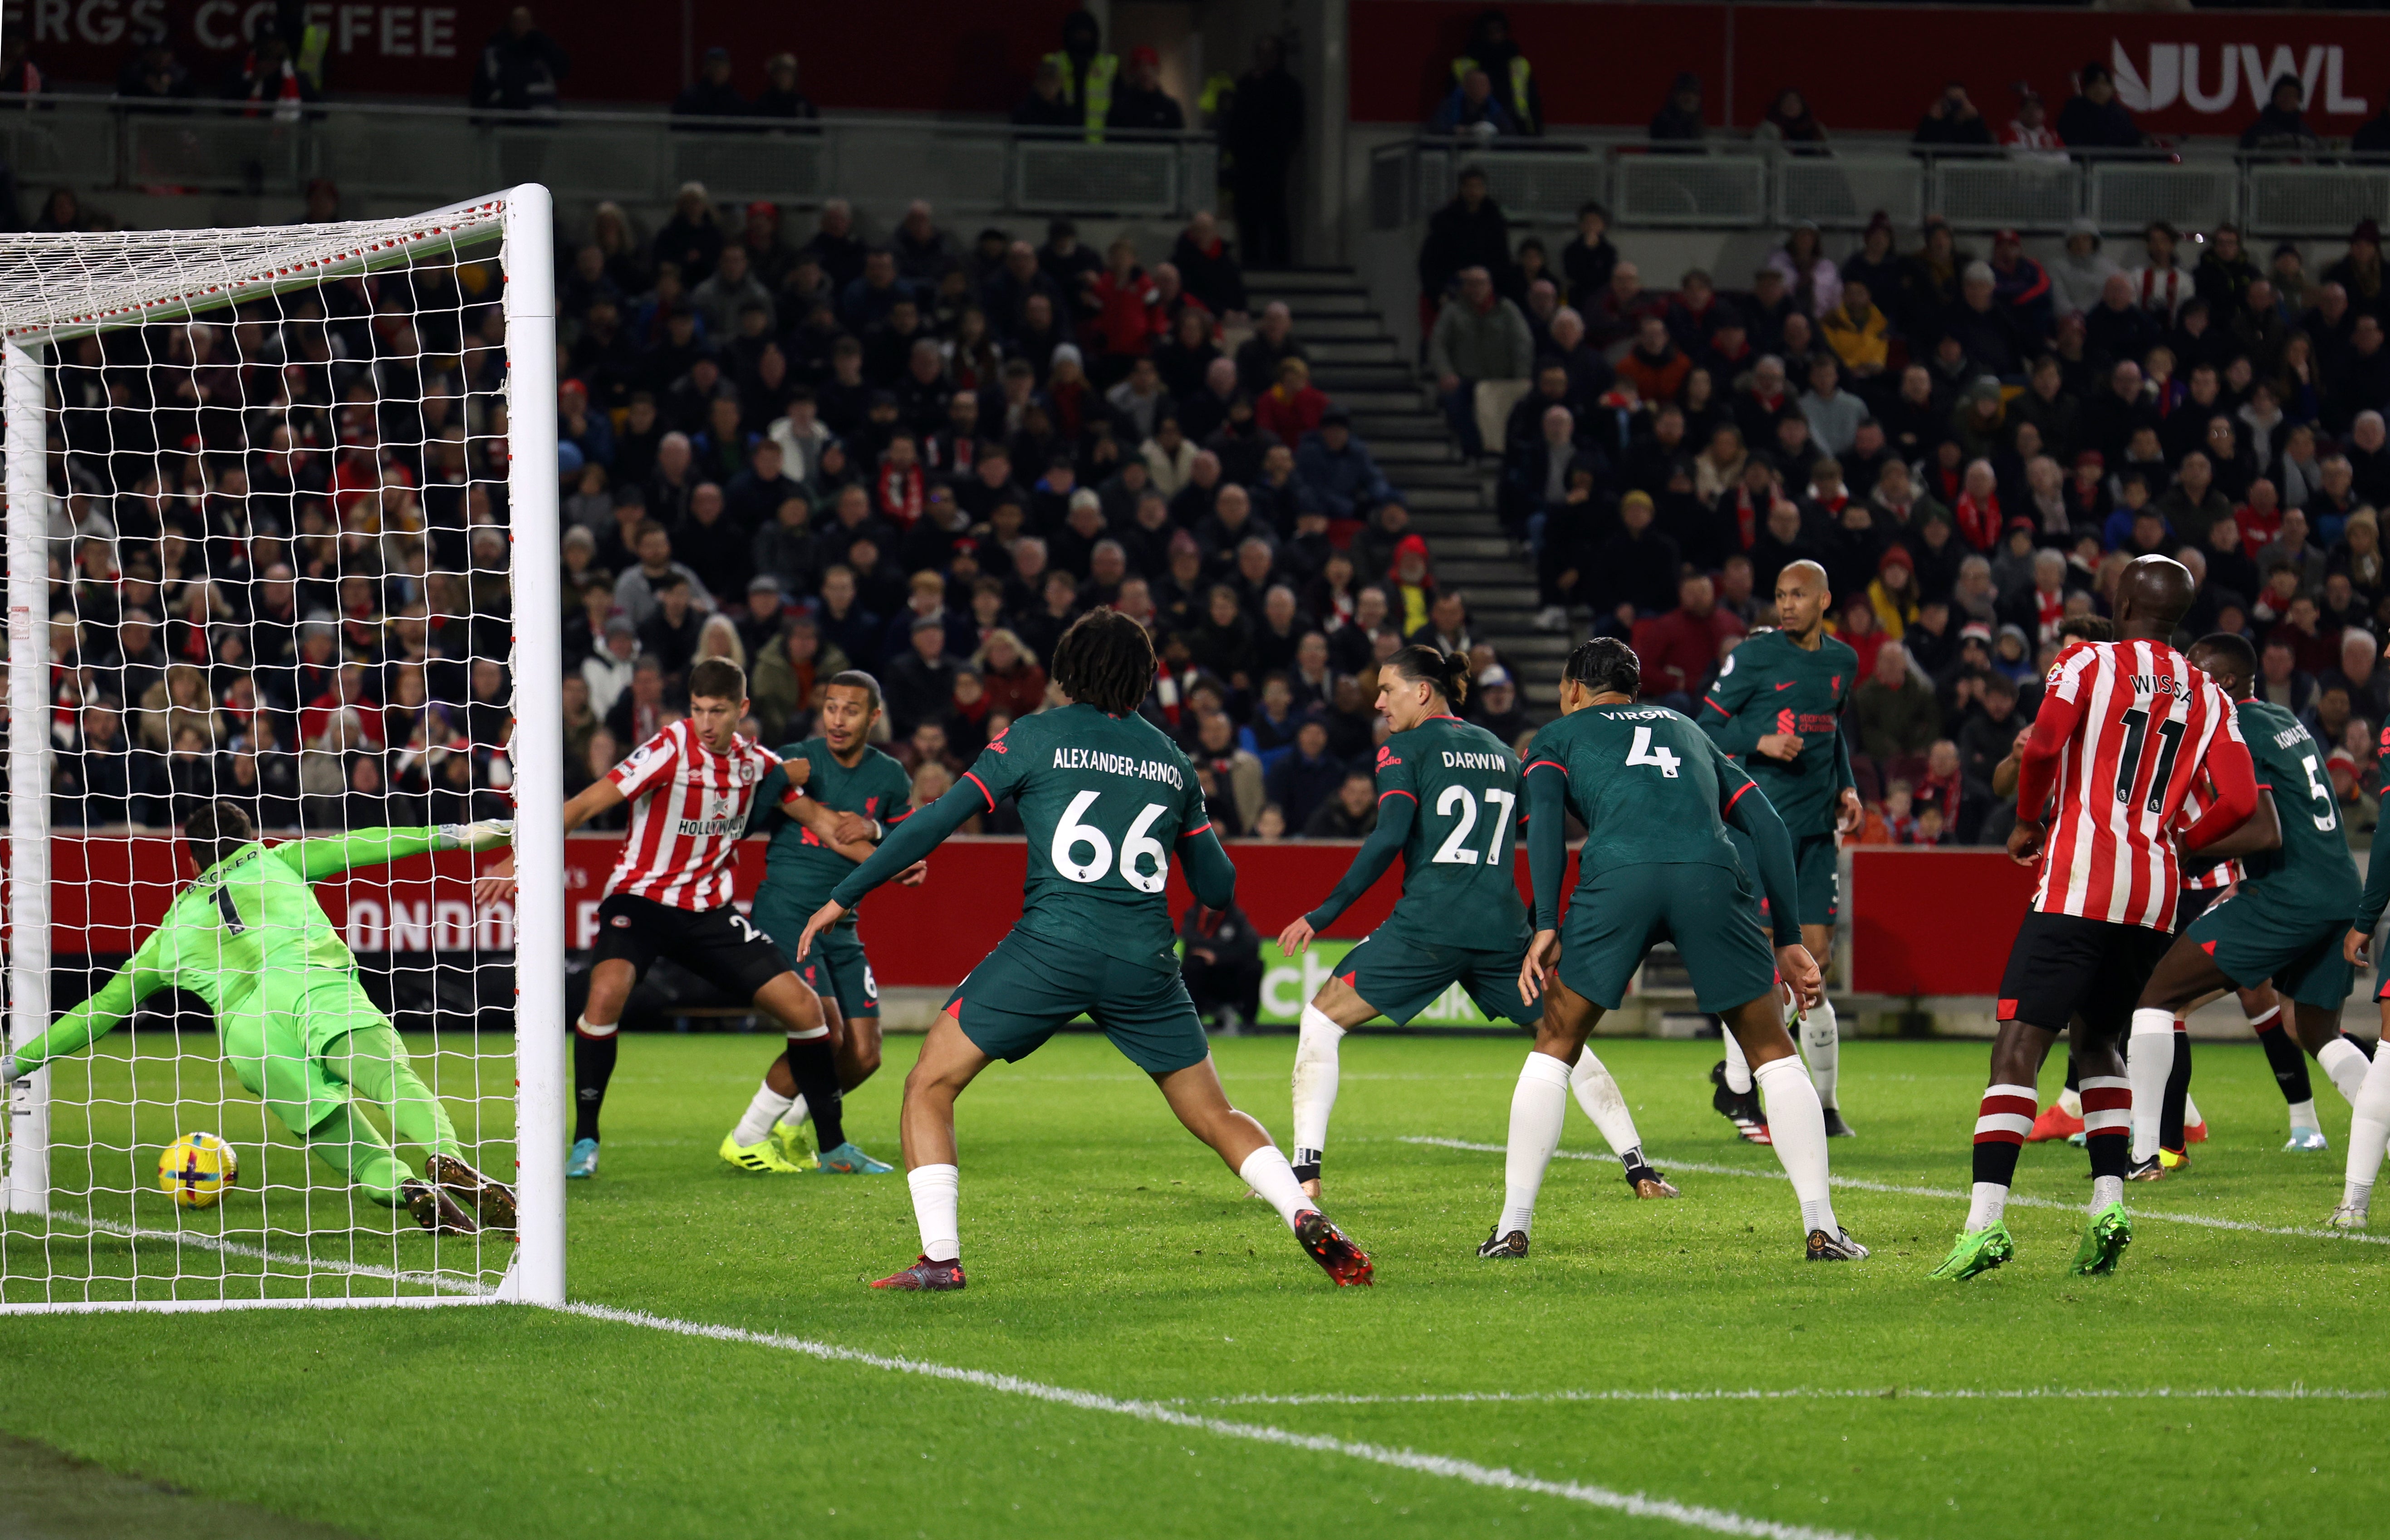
(1357, 362)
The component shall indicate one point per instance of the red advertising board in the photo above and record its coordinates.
(106, 891)
(1878, 67)
(948, 56)
(1934, 921)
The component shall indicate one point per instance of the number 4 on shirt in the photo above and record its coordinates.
(1641, 753)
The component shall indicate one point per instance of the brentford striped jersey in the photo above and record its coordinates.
(2224, 873)
(2140, 723)
(688, 807)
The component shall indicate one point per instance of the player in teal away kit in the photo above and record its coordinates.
(1656, 798)
(2369, 1118)
(2284, 922)
(1447, 795)
(1105, 797)
(872, 794)
(1777, 707)
(248, 937)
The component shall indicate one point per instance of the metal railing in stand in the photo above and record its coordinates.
(100, 144)
(1735, 185)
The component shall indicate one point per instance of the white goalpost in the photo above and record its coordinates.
(282, 532)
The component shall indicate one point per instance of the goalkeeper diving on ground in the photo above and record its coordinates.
(247, 938)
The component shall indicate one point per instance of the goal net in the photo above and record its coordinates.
(281, 531)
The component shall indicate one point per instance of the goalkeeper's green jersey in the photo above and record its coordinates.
(248, 934)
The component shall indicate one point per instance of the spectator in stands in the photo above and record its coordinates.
(1791, 126)
(1493, 52)
(2079, 278)
(1261, 135)
(1089, 74)
(1833, 413)
(1680, 650)
(1208, 268)
(1272, 344)
(2093, 117)
(267, 74)
(710, 95)
(1812, 280)
(1655, 365)
(1858, 332)
(1587, 259)
(1471, 231)
(1350, 814)
(1479, 337)
(2280, 125)
(1293, 406)
(781, 99)
(1473, 112)
(1898, 716)
(1139, 102)
(1337, 469)
(520, 66)
(1049, 104)
(1953, 122)
(1678, 121)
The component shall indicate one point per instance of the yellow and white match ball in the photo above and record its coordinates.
(197, 1169)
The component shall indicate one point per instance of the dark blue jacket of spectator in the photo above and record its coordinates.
(1346, 484)
(863, 307)
(519, 74)
(1299, 784)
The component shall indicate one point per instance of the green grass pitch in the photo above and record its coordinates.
(1110, 1254)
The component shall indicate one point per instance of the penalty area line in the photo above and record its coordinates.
(1893, 1393)
(1633, 1504)
(2016, 1201)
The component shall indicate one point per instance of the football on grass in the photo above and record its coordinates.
(197, 1169)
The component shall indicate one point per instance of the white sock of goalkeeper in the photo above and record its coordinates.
(1598, 1092)
(2344, 1063)
(2149, 1058)
(1738, 1069)
(1538, 1109)
(937, 1191)
(767, 1109)
(1267, 1172)
(1797, 1123)
(1314, 1088)
(1821, 1044)
(2368, 1131)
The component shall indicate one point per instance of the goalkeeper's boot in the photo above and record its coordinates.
(789, 1139)
(925, 1276)
(1342, 1261)
(761, 1156)
(434, 1210)
(2306, 1139)
(1977, 1251)
(582, 1164)
(2194, 1133)
(2055, 1123)
(2105, 1235)
(2348, 1216)
(1837, 1247)
(494, 1201)
(1504, 1248)
(848, 1161)
(1836, 1128)
(1647, 1182)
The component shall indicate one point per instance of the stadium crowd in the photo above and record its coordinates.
(281, 540)
(1972, 443)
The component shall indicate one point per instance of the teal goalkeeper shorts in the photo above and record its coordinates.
(1816, 871)
(1402, 977)
(1030, 986)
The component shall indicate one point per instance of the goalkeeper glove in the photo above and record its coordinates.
(486, 835)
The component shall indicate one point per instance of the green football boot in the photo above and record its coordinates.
(758, 1157)
(2105, 1235)
(1977, 1251)
(794, 1147)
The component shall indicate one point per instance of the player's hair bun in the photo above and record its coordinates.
(1445, 672)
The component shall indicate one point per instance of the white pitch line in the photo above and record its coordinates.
(441, 1283)
(1896, 1392)
(2015, 1200)
(1634, 1503)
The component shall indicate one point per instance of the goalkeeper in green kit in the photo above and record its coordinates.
(248, 937)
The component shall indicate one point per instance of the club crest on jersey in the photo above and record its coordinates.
(746, 774)
(1835, 683)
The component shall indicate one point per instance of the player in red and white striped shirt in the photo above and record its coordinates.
(2124, 729)
(690, 788)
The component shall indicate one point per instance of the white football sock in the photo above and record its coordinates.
(2149, 1058)
(1989, 1205)
(1315, 1084)
(1598, 1092)
(2346, 1064)
(2303, 1116)
(2104, 1191)
(2368, 1131)
(1797, 1124)
(1738, 1069)
(1821, 1044)
(936, 1193)
(2190, 1118)
(796, 1112)
(1538, 1108)
(762, 1114)
(1267, 1172)
(2069, 1101)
